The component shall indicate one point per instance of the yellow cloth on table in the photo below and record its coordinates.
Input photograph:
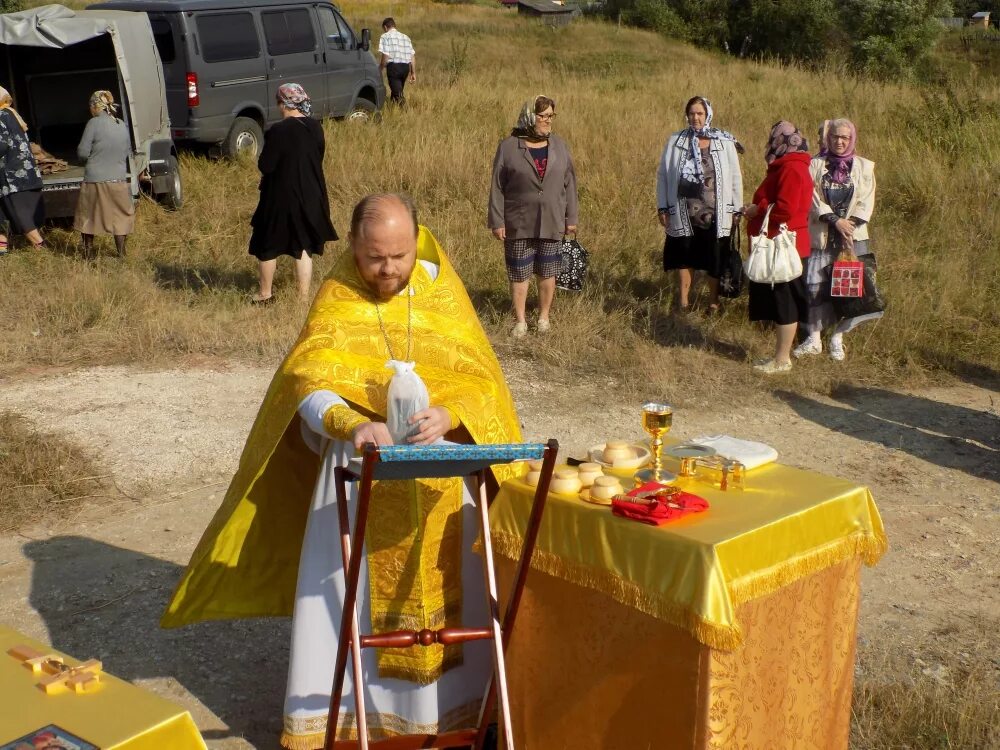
(247, 561)
(693, 572)
(113, 715)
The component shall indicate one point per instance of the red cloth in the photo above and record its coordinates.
(789, 186)
(658, 510)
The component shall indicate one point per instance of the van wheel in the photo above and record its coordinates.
(245, 139)
(364, 111)
(173, 199)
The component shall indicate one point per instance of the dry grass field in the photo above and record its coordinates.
(620, 92)
(182, 294)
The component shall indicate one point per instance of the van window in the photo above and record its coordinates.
(227, 36)
(331, 32)
(288, 31)
(345, 32)
(164, 37)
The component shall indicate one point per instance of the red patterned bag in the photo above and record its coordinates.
(848, 276)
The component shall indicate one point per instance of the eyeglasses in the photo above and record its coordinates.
(840, 138)
(546, 117)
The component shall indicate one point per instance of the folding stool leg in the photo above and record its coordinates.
(500, 671)
(360, 712)
(350, 595)
(521, 574)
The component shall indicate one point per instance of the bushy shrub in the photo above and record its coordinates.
(890, 37)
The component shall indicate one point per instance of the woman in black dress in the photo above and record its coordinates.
(293, 215)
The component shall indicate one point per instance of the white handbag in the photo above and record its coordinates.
(773, 260)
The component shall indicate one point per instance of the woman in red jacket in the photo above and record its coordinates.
(788, 188)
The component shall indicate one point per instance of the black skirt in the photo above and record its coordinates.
(782, 304)
(702, 251)
(23, 210)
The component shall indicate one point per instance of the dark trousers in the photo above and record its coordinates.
(397, 73)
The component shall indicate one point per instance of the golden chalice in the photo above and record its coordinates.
(657, 420)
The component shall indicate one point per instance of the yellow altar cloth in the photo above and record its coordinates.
(113, 716)
(731, 628)
(693, 573)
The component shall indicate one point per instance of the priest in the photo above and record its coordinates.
(273, 547)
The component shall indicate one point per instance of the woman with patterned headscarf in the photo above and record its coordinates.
(787, 189)
(293, 212)
(843, 201)
(532, 206)
(105, 205)
(20, 177)
(699, 191)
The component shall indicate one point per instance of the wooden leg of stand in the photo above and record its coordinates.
(360, 712)
(524, 563)
(350, 596)
(499, 671)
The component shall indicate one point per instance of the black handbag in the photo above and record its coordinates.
(871, 301)
(731, 266)
(573, 270)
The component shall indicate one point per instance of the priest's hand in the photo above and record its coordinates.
(371, 432)
(434, 422)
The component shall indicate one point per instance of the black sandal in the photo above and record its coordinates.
(262, 302)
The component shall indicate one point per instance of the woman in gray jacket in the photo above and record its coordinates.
(533, 205)
(105, 205)
(699, 190)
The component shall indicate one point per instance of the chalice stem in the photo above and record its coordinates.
(657, 446)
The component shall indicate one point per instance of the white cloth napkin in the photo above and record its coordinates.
(747, 452)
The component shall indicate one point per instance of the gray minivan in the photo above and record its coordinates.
(223, 61)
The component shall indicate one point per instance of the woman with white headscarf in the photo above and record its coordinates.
(20, 177)
(843, 203)
(699, 191)
(105, 205)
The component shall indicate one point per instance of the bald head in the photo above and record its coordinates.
(383, 238)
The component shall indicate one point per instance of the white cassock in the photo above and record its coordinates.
(396, 706)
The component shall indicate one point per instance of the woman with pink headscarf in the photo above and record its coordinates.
(293, 213)
(788, 190)
(843, 201)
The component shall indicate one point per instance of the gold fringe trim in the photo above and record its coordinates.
(870, 546)
(389, 667)
(303, 741)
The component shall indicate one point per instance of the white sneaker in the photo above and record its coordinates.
(807, 347)
(771, 367)
(543, 325)
(520, 330)
(837, 350)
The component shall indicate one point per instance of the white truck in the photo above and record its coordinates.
(51, 60)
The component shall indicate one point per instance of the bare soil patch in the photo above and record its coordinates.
(94, 583)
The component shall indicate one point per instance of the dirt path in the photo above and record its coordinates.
(95, 584)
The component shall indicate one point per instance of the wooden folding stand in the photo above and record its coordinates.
(422, 462)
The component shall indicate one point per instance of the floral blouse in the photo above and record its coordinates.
(18, 170)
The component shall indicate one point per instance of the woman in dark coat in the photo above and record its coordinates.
(533, 205)
(293, 215)
(788, 187)
(20, 177)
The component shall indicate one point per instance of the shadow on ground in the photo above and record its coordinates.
(198, 279)
(954, 437)
(104, 602)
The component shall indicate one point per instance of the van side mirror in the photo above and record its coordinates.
(366, 39)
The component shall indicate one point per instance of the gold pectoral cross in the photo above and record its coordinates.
(56, 675)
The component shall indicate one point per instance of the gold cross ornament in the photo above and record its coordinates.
(56, 675)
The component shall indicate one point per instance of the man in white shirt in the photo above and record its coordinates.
(397, 59)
